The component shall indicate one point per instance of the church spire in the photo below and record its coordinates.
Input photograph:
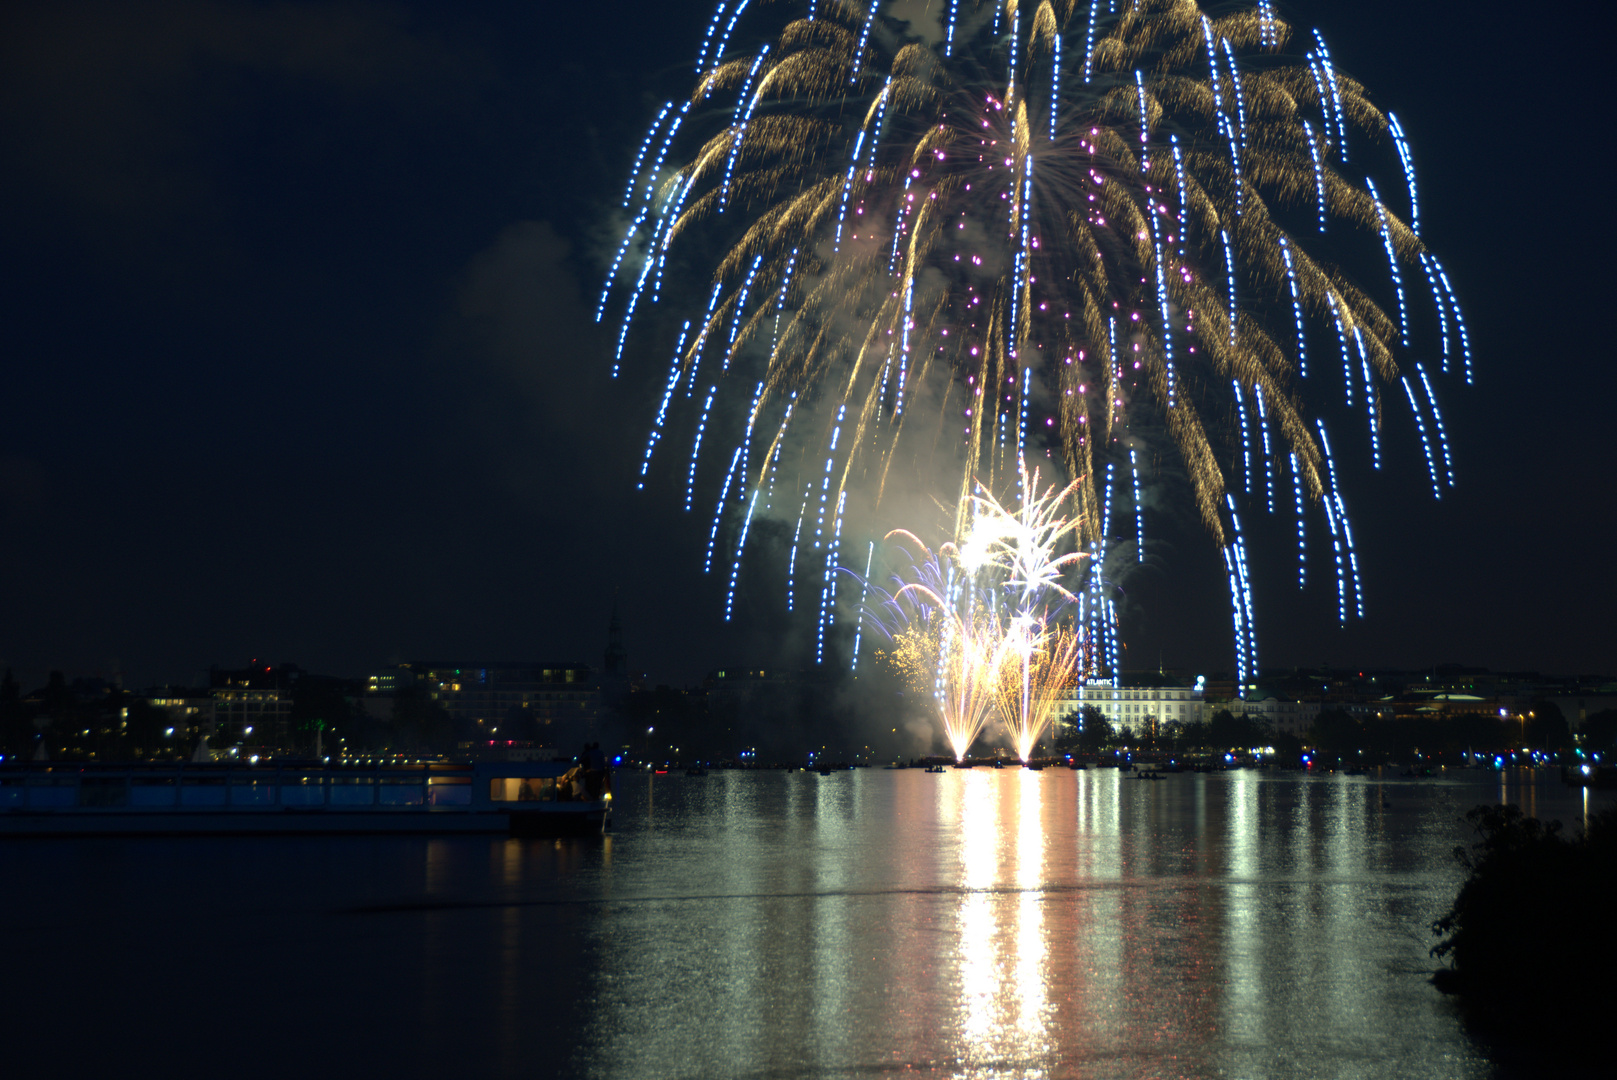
(617, 658)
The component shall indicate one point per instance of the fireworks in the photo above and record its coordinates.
(1081, 234)
(1038, 663)
(980, 622)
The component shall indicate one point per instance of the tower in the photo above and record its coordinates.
(615, 663)
(617, 659)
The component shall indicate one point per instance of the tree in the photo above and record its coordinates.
(321, 710)
(1095, 732)
(1192, 735)
(1335, 732)
(1477, 732)
(1227, 730)
(16, 729)
(1288, 747)
(146, 729)
(1531, 913)
(1600, 732)
(421, 725)
(1548, 730)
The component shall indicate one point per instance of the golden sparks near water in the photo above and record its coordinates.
(983, 233)
(981, 623)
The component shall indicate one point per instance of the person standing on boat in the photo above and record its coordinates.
(602, 768)
(594, 763)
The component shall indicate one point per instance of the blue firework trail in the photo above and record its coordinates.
(887, 250)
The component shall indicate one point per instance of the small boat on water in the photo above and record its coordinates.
(696, 770)
(935, 768)
(521, 798)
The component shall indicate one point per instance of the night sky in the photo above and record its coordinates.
(299, 362)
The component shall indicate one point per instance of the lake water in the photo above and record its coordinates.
(975, 924)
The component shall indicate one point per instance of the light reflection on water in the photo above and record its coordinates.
(1011, 923)
(980, 924)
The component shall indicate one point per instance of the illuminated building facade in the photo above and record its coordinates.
(1136, 710)
(529, 700)
(189, 710)
(1274, 713)
(253, 705)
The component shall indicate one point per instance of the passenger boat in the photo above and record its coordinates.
(526, 798)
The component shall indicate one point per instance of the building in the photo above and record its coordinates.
(1275, 713)
(253, 705)
(1136, 710)
(551, 703)
(191, 710)
(1144, 710)
(390, 680)
(1422, 704)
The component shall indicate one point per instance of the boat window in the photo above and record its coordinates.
(396, 791)
(302, 791)
(202, 791)
(152, 790)
(352, 791)
(522, 789)
(457, 795)
(246, 791)
(103, 791)
(52, 790)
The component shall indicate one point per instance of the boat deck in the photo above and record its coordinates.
(523, 798)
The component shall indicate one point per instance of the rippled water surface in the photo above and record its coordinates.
(976, 924)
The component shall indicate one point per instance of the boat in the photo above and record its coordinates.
(520, 798)
(696, 770)
(1589, 775)
(934, 768)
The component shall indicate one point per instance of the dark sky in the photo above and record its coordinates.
(299, 364)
